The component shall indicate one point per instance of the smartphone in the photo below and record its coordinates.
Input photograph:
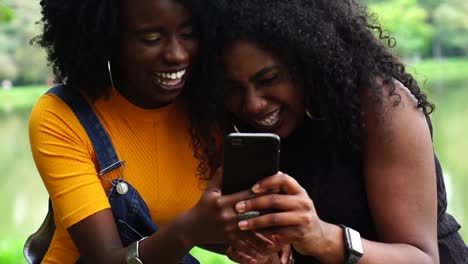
(248, 158)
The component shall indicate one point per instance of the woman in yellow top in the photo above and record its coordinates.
(132, 61)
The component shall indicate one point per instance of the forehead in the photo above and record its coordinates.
(141, 13)
(246, 58)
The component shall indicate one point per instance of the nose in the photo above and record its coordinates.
(176, 52)
(254, 103)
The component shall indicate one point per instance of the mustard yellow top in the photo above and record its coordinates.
(155, 145)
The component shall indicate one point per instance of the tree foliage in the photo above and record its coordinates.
(428, 27)
(21, 62)
(451, 26)
(6, 14)
(421, 28)
(407, 22)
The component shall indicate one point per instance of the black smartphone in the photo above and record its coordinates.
(248, 158)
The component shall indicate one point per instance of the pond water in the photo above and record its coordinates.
(23, 198)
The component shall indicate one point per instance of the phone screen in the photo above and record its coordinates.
(248, 158)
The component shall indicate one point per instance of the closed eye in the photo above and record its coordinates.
(187, 32)
(269, 80)
(151, 39)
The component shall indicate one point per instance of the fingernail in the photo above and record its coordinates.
(242, 225)
(240, 207)
(256, 188)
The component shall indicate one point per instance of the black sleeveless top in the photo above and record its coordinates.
(334, 180)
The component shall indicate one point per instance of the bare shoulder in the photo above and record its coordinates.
(394, 109)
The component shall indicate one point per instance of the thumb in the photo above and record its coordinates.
(217, 180)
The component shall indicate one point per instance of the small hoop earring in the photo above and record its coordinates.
(235, 127)
(110, 74)
(308, 114)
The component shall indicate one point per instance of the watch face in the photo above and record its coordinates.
(134, 261)
(355, 243)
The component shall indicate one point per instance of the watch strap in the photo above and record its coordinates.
(352, 259)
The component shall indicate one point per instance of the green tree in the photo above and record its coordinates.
(430, 4)
(26, 63)
(6, 14)
(451, 27)
(407, 22)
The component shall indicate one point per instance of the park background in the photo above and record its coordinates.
(431, 38)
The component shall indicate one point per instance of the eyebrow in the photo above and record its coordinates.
(158, 29)
(257, 76)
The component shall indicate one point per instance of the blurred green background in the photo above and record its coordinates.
(432, 39)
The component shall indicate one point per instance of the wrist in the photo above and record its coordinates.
(333, 247)
(186, 230)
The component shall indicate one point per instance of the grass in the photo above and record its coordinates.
(11, 252)
(448, 69)
(20, 97)
(205, 256)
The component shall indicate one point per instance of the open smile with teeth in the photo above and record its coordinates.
(170, 78)
(269, 120)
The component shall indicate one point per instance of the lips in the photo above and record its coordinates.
(171, 80)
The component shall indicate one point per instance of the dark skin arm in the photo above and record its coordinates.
(400, 183)
(105, 247)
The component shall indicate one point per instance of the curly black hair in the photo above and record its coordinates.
(81, 36)
(336, 47)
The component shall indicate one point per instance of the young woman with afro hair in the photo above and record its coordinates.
(134, 64)
(359, 178)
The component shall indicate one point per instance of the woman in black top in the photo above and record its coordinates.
(356, 136)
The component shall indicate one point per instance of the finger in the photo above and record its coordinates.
(285, 254)
(263, 240)
(275, 201)
(244, 251)
(281, 181)
(257, 241)
(237, 256)
(280, 219)
(281, 235)
(232, 199)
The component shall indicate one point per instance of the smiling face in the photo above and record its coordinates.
(260, 90)
(157, 50)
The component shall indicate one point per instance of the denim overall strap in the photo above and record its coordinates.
(105, 152)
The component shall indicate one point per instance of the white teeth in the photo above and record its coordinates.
(269, 120)
(170, 75)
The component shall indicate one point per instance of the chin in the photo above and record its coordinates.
(168, 97)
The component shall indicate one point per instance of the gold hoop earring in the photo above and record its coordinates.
(110, 74)
(235, 127)
(308, 114)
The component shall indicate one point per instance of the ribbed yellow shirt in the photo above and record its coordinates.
(155, 145)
